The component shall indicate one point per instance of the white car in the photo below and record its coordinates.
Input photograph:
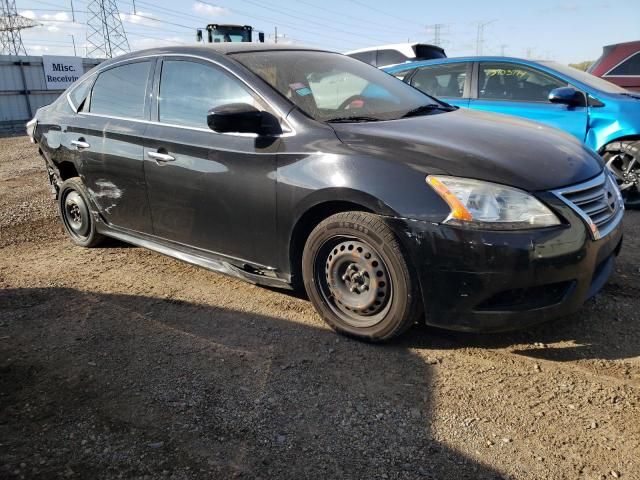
(387, 55)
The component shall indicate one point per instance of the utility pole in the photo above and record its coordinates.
(106, 37)
(73, 12)
(503, 48)
(275, 36)
(73, 39)
(10, 26)
(480, 36)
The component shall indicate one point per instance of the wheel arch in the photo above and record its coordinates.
(328, 203)
(625, 137)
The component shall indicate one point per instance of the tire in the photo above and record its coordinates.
(73, 207)
(623, 160)
(358, 279)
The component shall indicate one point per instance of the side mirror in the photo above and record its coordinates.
(242, 118)
(567, 96)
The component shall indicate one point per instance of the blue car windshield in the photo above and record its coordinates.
(330, 87)
(586, 78)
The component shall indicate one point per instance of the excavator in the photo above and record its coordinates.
(216, 33)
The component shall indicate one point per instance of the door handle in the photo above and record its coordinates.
(80, 144)
(160, 157)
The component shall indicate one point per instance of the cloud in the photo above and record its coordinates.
(209, 9)
(28, 14)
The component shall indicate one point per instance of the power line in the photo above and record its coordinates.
(362, 4)
(11, 24)
(105, 33)
(480, 36)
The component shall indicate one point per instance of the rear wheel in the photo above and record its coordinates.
(357, 277)
(74, 211)
(623, 159)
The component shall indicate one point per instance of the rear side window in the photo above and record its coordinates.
(79, 94)
(505, 81)
(120, 91)
(366, 57)
(441, 81)
(631, 66)
(188, 90)
(390, 57)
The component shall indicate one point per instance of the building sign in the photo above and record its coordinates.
(60, 72)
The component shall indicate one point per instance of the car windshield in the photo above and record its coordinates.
(330, 87)
(586, 78)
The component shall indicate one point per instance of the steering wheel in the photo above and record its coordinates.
(350, 100)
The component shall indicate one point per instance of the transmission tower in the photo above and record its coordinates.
(10, 26)
(437, 33)
(106, 37)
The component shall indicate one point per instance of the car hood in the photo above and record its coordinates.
(480, 145)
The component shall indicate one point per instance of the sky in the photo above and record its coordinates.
(567, 31)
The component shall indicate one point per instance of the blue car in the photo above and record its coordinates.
(603, 115)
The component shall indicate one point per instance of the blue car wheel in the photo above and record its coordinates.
(623, 159)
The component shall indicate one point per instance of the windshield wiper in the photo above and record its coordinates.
(428, 108)
(354, 119)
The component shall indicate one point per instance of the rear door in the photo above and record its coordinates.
(214, 191)
(108, 137)
(448, 82)
(523, 91)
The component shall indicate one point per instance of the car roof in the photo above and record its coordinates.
(212, 50)
(434, 61)
(405, 48)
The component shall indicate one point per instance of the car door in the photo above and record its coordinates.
(209, 190)
(448, 82)
(107, 135)
(523, 91)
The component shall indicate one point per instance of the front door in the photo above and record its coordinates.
(522, 91)
(212, 191)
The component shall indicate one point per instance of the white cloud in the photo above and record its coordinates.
(28, 14)
(209, 9)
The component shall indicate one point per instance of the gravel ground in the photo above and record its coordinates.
(118, 362)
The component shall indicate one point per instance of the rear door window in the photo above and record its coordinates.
(390, 57)
(441, 80)
(80, 93)
(120, 91)
(508, 81)
(367, 57)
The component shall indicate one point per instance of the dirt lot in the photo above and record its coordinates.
(118, 362)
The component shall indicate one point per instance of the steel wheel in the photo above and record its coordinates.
(354, 281)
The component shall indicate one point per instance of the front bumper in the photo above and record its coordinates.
(475, 280)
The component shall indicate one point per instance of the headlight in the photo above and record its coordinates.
(488, 205)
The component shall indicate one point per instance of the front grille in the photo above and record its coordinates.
(598, 202)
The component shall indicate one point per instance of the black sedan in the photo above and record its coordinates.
(291, 166)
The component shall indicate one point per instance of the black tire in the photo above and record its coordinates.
(358, 279)
(623, 159)
(73, 207)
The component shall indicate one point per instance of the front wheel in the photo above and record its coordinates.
(623, 160)
(358, 279)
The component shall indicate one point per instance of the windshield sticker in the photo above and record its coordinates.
(303, 91)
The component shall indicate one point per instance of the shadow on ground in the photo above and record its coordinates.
(107, 385)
